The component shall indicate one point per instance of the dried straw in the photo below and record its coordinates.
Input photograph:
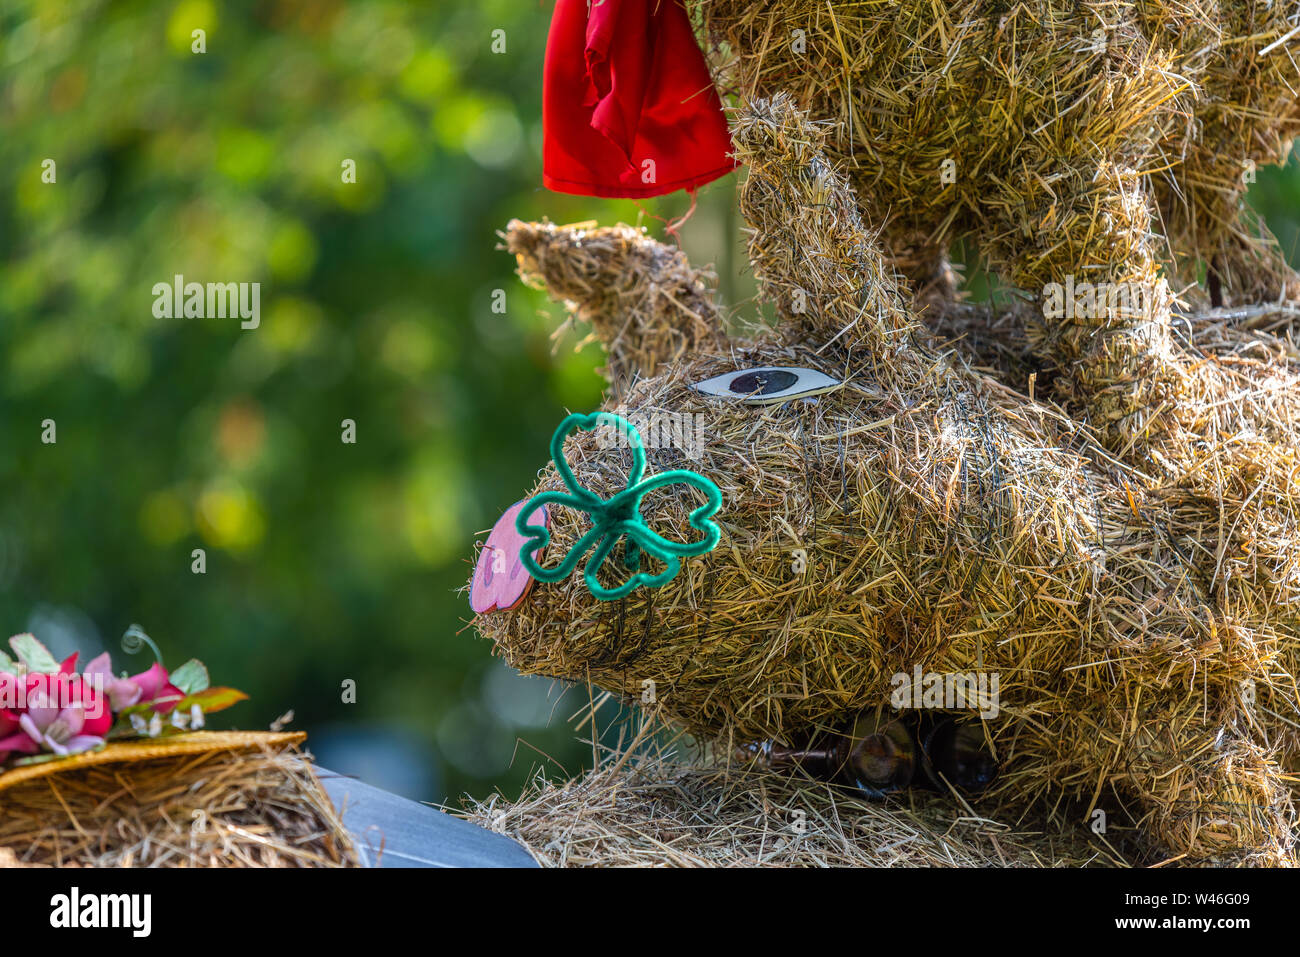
(657, 811)
(1034, 130)
(207, 800)
(1245, 114)
(642, 298)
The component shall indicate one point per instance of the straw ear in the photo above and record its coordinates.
(810, 248)
(642, 298)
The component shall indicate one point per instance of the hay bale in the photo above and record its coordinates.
(206, 799)
(952, 523)
(1245, 114)
(660, 811)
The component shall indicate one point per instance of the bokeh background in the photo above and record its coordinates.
(326, 562)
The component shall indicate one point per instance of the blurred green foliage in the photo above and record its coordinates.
(325, 561)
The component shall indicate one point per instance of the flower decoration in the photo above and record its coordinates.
(49, 710)
(616, 518)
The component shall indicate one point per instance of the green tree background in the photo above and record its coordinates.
(326, 562)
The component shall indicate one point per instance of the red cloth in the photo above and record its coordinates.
(624, 85)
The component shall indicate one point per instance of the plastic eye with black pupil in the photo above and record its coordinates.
(765, 386)
(762, 383)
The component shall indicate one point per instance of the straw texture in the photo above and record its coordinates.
(204, 799)
(1080, 142)
(659, 810)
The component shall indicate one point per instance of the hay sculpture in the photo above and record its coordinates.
(228, 799)
(1031, 100)
(1142, 621)
(1033, 128)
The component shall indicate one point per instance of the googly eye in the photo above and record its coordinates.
(765, 386)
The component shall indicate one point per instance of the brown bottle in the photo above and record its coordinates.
(877, 756)
(956, 752)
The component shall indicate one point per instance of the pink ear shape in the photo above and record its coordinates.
(500, 580)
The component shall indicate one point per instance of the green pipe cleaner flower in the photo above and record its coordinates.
(615, 518)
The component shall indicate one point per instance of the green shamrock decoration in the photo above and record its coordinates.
(616, 517)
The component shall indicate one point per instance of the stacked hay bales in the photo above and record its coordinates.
(950, 523)
(211, 799)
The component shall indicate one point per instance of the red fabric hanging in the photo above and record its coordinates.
(624, 85)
